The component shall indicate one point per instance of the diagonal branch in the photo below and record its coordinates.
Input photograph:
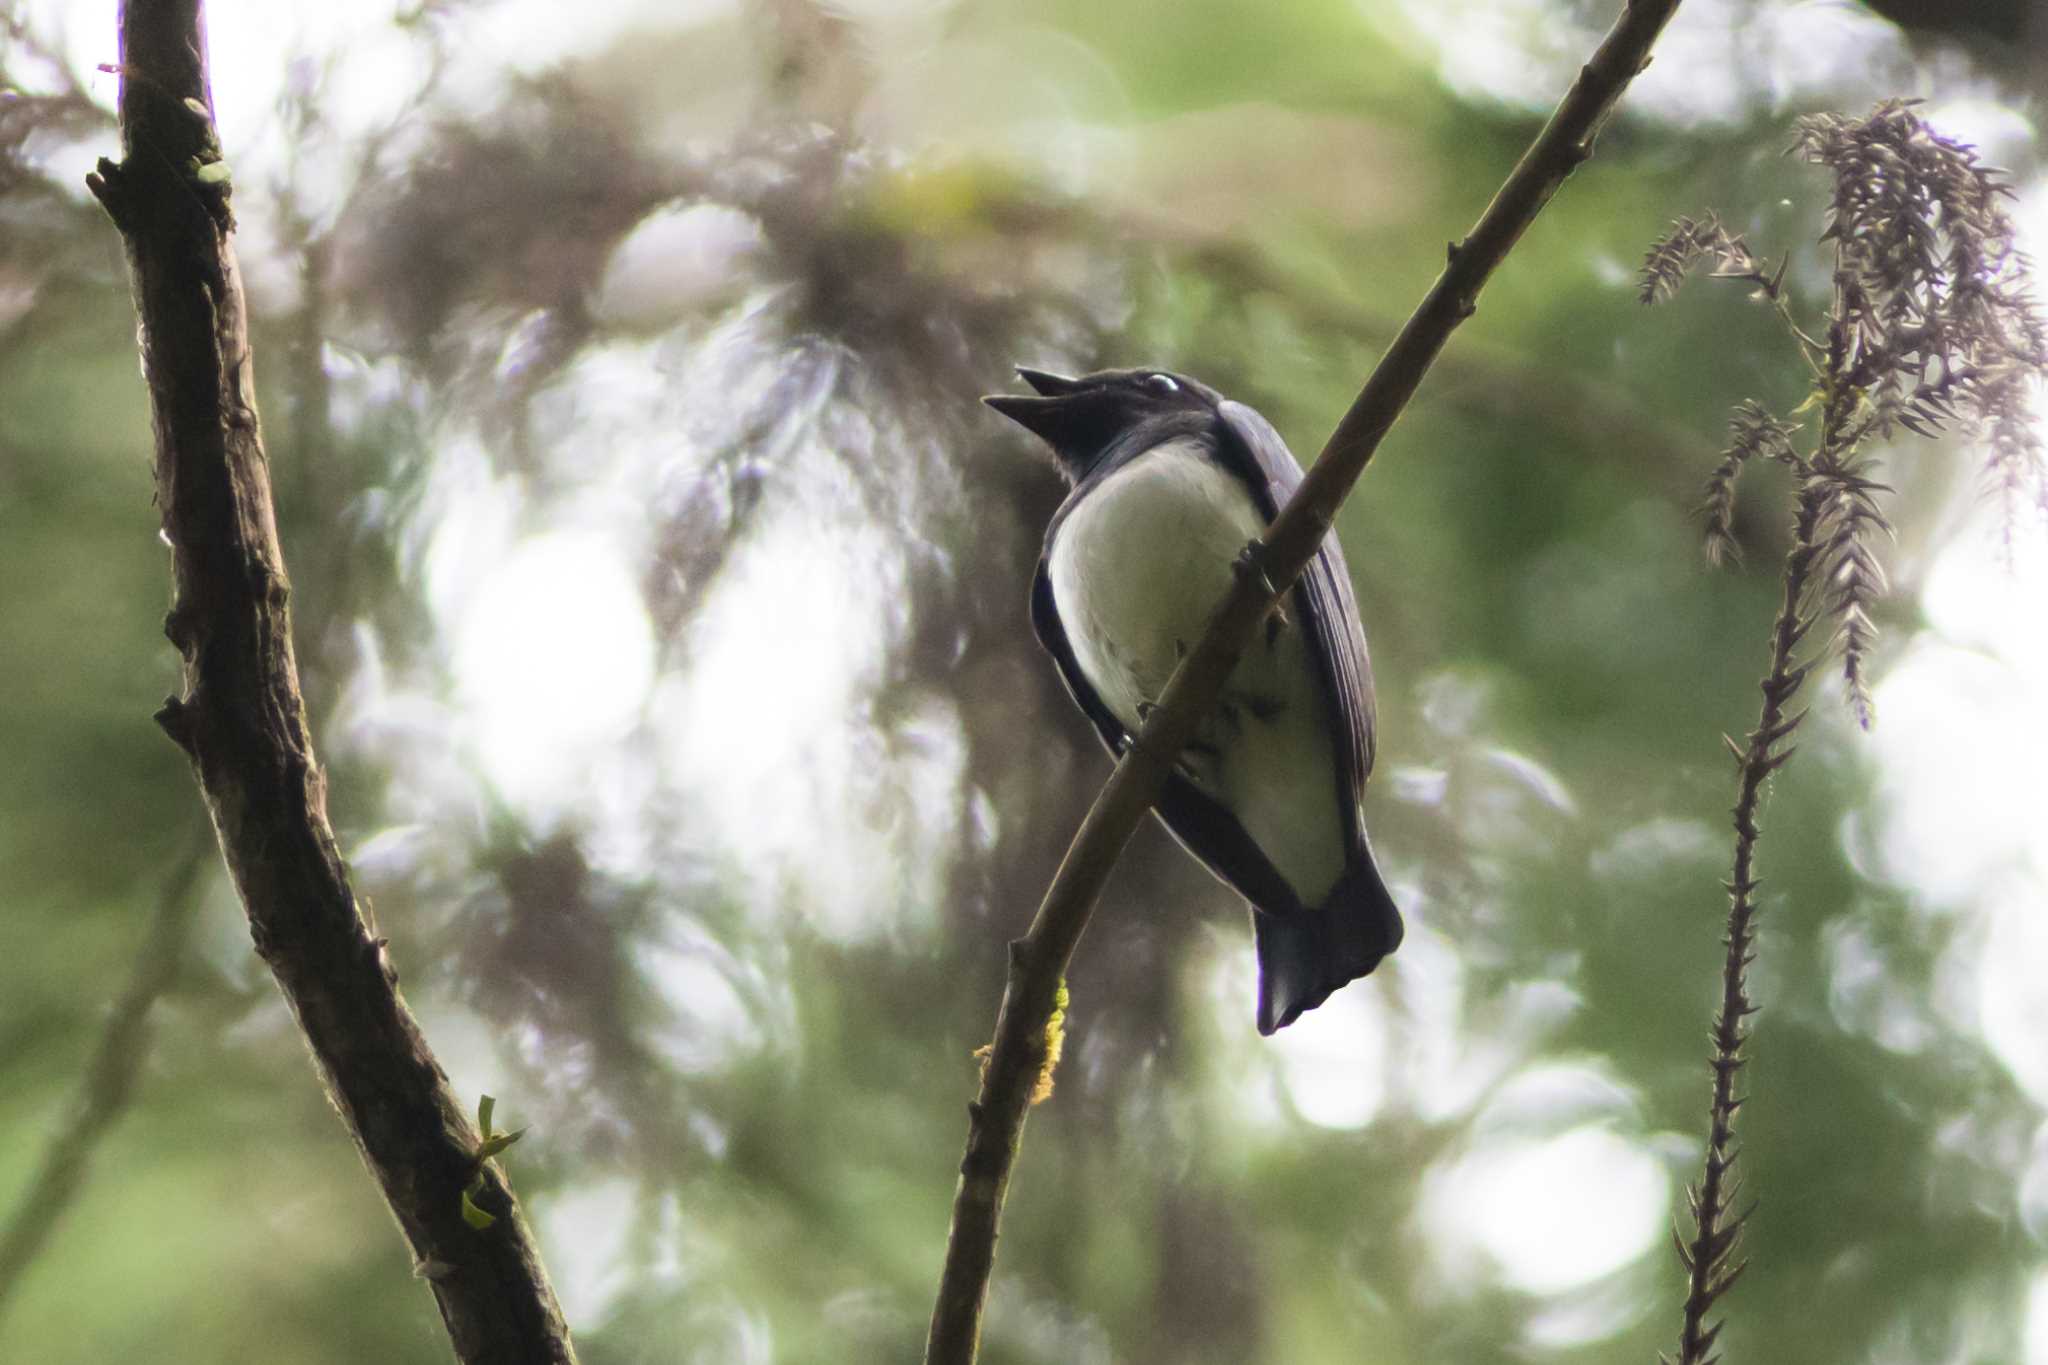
(242, 720)
(1015, 1062)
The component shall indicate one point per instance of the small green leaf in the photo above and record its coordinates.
(498, 1142)
(199, 108)
(471, 1214)
(213, 173)
(484, 1107)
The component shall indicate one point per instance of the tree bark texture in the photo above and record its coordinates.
(241, 719)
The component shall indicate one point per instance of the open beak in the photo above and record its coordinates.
(1051, 415)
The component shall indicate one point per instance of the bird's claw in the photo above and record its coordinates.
(1251, 564)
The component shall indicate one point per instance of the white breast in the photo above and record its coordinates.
(1137, 569)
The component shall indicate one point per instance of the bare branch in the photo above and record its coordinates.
(242, 720)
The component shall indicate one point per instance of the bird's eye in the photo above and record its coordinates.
(1162, 382)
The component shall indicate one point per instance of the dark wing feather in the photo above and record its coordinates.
(1323, 595)
(1207, 829)
(1340, 651)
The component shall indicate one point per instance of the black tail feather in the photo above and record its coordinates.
(1305, 956)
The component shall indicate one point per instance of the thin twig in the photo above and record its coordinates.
(1018, 1058)
(242, 719)
(109, 1078)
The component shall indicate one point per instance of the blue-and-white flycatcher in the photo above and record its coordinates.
(1170, 482)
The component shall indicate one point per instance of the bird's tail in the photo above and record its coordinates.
(1308, 954)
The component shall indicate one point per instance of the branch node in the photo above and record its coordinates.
(108, 183)
(377, 949)
(181, 629)
(174, 718)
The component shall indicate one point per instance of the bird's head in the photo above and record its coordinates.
(1083, 419)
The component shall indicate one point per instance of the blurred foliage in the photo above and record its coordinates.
(715, 903)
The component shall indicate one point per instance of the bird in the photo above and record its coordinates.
(1170, 484)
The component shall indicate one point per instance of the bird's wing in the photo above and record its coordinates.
(1206, 828)
(1323, 595)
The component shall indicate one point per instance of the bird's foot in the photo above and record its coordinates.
(1251, 564)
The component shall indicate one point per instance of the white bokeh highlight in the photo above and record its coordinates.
(553, 658)
(588, 1232)
(1553, 1213)
(1404, 1040)
(1714, 63)
(2036, 1329)
(1961, 745)
(1553, 1191)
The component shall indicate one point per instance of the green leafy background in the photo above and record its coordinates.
(660, 593)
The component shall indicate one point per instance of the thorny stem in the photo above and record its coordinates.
(1925, 275)
(1711, 1269)
(1707, 1255)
